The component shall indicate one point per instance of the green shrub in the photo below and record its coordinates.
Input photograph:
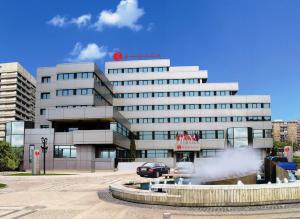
(9, 157)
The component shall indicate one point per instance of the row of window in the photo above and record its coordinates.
(161, 81)
(195, 106)
(199, 119)
(203, 134)
(137, 70)
(170, 135)
(153, 153)
(173, 94)
(71, 92)
(78, 75)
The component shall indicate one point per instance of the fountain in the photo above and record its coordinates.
(229, 180)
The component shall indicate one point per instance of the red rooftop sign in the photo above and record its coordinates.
(118, 56)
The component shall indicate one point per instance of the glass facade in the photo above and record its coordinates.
(239, 137)
(64, 151)
(15, 133)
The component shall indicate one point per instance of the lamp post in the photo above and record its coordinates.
(44, 149)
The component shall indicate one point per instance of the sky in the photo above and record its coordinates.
(253, 42)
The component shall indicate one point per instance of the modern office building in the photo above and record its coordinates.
(286, 131)
(17, 95)
(74, 112)
(177, 115)
(173, 113)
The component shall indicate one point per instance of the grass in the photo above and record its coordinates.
(47, 174)
(2, 186)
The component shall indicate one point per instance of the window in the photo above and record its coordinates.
(157, 153)
(220, 134)
(161, 94)
(210, 134)
(145, 136)
(192, 119)
(105, 153)
(176, 120)
(192, 106)
(44, 126)
(42, 111)
(160, 107)
(191, 93)
(239, 137)
(145, 108)
(176, 107)
(64, 151)
(176, 94)
(45, 95)
(210, 152)
(258, 133)
(266, 105)
(268, 133)
(161, 135)
(223, 106)
(46, 79)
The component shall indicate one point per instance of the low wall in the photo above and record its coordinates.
(211, 195)
(129, 166)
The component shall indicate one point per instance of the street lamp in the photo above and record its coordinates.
(44, 149)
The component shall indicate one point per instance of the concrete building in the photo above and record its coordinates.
(286, 131)
(174, 114)
(177, 115)
(74, 112)
(17, 95)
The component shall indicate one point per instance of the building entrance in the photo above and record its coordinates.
(185, 156)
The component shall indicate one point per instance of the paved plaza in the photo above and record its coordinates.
(86, 195)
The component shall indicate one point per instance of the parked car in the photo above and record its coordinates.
(152, 170)
(184, 168)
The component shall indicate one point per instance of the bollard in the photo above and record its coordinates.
(167, 215)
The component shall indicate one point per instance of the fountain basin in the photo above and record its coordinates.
(211, 195)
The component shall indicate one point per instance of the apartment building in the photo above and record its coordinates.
(286, 131)
(177, 115)
(17, 95)
(74, 112)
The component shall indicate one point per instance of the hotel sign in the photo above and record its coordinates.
(186, 142)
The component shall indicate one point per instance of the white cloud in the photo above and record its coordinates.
(82, 20)
(89, 53)
(127, 14)
(58, 21)
(150, 26)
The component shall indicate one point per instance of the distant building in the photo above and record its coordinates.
(17, 95)
(286, 131)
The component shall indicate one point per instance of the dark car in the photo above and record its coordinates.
(152, 170)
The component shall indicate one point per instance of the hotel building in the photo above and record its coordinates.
(161, 101)
(17, 97)
(88, 115)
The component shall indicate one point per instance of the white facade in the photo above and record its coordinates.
(17, 90)
(164, 100)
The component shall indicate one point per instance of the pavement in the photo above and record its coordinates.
(86, 195)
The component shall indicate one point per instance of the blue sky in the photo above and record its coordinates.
(253, 42)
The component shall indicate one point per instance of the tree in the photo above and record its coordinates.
(9, 157)
(132, 150)
(279, 145)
